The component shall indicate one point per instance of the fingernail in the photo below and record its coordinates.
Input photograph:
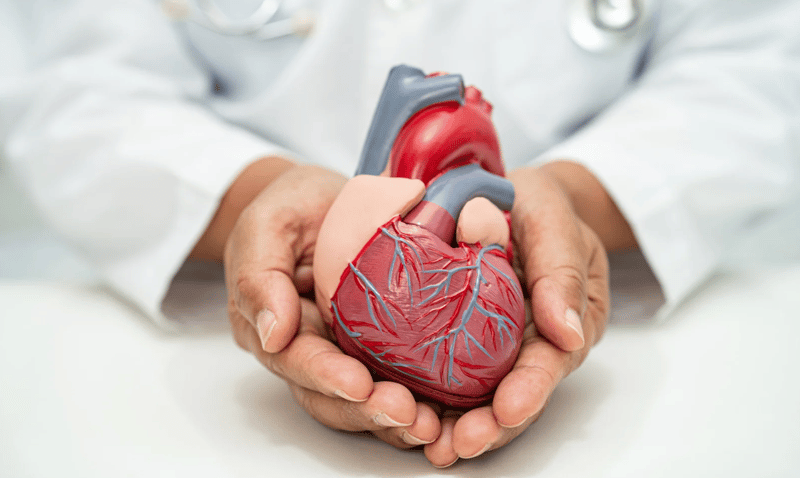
(447, 465)
(383, 420)
(265, 323)
(573, 321)
(480, 452)
(516, 425)
(412, 440)
(347, 397)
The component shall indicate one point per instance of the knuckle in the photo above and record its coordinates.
(353, 418)
(281, 219)
(545, 375)
(284, 220)
(304, 376)
(245, 281)
(311, 371)
(572, 274)
(394, 437)
(569, 276)
(540, 377)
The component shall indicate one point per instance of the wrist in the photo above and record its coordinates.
(592, 203)
(247, 185)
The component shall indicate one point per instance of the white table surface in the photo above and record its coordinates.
(89, 388)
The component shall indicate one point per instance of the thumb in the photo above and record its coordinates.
(275, 233)
(260, 260)
(553, 250)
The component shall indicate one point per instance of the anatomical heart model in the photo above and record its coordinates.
(412, 264)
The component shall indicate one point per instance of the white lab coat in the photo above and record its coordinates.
(110, 117)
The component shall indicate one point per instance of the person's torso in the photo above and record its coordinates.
(316, 95)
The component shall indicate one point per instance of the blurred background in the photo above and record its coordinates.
(28, 249)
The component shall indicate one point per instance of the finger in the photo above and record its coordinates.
(553, 253)
(274, 234)
(478, 431)
(519, 399)
(260, 261)
(424, 430)
(310, 360)
(390, 405)
(524, 392)
(303, 278)
(441, 453)
(558, 305)
(273, 306)
(242, 330)
(316, 364)
(426, 427)
(598, 294)
(475, 432)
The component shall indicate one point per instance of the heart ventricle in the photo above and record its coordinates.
(446, 322)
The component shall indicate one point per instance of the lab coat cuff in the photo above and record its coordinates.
(674, 249)
(146, 278)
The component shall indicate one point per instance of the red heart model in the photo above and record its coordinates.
(442, 318)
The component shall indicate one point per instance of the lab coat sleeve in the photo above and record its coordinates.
(100, 121)
(706, 144)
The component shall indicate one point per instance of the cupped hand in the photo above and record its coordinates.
(565, 271)
(267, 260)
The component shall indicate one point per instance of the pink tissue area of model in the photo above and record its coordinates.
(365, 204)
(442, 313)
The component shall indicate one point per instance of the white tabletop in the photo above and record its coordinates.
(89, 388)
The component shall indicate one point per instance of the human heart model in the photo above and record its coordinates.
(412, 264)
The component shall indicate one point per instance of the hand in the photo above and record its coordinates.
(267, 260)
(565, 272)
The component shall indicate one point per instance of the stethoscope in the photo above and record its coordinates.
(261, 24)
(595, 25)
(600, 26)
